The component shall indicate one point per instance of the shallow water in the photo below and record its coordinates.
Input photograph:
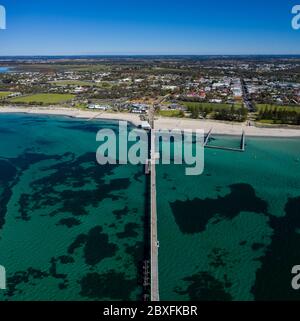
(233, 232)
(73, 230)
(70, 229)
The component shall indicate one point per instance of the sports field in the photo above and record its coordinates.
(4, 94)
(43, 99)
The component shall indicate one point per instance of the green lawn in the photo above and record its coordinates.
(4, 94)
(266, 121)
(213, 106)
(43, 99)
(260, 107)
(170, 113)
(103, 84)
(72, 83)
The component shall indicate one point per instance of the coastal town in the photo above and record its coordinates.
(254, 90)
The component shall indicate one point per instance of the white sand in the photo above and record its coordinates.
(225, 128)
(73, 112)
(217, 127)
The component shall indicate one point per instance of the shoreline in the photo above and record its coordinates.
(72, 113)
(161, 123)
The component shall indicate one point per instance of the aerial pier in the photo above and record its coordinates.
(150, 264)
(153, 223)
(241, 149)
(154, 244)
(243, 141)
(153, 213)
(206, 140)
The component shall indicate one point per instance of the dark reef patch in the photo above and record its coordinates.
(10, 170)
(111, 285)
(24, 161)
(53, 270)
(44, 142)
(69, 222)
(204, 287)
(7, 171)
(79, 242)
(257, 246)
(120, 213)
(6, 131)
(8, 177)
(129, 231)
(217, 257)
(23, 277)
(273, 279)
(65, 259)
(192, 216)
(72, 174)
(96, 246)
(24, 203)
(137, 252)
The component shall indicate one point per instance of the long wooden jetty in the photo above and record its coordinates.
(154, 238)
(150, 168)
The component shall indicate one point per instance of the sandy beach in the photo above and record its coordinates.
(218, 127)
(73, 112)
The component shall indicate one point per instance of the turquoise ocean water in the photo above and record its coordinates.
(73, 230)
(70, 229)
(233, 232)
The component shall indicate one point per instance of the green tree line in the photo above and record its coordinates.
(280, 116)
(238, 114)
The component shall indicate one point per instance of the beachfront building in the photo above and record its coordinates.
(99, 107)
(139, 108)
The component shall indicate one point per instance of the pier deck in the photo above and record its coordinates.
(153, 221)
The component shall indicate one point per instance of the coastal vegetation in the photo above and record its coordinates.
(217, 111)
(278, 114)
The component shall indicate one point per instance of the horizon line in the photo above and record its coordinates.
(149, 55)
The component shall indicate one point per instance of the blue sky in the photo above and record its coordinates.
(65, 27)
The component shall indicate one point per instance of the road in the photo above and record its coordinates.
(247, 102)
